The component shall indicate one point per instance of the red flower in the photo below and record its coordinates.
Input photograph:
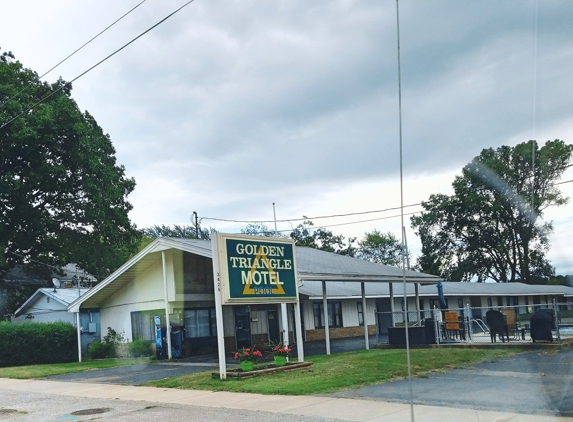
(237, 355)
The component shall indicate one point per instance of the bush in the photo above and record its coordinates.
(37, 343)
(139, 348)
(100, 350)
(107, 347)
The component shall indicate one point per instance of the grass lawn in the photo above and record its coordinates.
(341, 371)
(40, 371)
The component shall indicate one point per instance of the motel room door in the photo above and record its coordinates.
(242, 327)
(274, 332)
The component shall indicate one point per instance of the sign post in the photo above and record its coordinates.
(252, 270)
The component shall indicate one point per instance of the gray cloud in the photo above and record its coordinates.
(230, 105)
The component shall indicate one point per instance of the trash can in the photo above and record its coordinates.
(430, 330)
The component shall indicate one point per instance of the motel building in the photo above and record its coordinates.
(171, 283)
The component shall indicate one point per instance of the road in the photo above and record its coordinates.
(40, 407)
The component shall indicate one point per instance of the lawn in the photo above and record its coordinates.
(41, 371)
(342, 371)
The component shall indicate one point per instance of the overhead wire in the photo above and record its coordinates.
(287, 220)
(95, 65)
(70, 55)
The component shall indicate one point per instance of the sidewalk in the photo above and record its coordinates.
(327, 407)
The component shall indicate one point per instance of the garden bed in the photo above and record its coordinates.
(262, 370)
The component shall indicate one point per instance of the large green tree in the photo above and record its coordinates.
(63, 198)
(492, 227)
(306, 235)
(382, 248)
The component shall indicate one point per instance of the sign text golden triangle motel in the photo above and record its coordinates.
(251, 269)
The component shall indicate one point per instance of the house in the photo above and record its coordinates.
(174, 277)
(51, 305)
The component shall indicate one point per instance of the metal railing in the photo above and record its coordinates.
(470, 325)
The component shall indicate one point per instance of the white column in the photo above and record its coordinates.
(417, 289)
(325, 316)
(219, 310)
(364, 316)
(298, 327)
(167, 321)
(391, 288)
(79, 331)
(284, 319)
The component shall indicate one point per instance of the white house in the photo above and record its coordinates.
(51, 305)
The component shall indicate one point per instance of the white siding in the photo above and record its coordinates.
(145, 292)
(47, 311)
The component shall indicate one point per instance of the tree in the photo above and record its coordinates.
(183, 232)
(259, 229)
(382, 248)
(63, 198)
(491, 226)
(305, 235)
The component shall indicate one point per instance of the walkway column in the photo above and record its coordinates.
(366, 342)
(325, 318)
(298, 327)
(417, 289)
(284, 318)
(392, 302)
(167, 321)
(79, 331)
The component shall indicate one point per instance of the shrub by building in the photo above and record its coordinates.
(37, 343)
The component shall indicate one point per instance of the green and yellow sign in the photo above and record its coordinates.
(256, 269)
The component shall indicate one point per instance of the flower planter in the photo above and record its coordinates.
(247, 365)
(280, 360)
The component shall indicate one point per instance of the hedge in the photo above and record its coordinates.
(37, 343)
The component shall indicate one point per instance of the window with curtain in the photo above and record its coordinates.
(334, 314)
(360, 313)
(200, 323)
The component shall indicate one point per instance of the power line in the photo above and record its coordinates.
(307, 218)
(566, 181)
(40, 77)
(96, 65)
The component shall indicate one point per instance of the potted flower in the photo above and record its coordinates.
(281, 353)
(247, 358)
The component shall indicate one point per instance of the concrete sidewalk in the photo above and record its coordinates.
(317, 406)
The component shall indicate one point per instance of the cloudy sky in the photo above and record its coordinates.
(229, 106)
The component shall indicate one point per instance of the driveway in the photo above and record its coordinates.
(138, 374)
(532, 383)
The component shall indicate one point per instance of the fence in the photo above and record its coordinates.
(470, 325)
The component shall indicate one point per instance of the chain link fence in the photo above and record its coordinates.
(506, 324)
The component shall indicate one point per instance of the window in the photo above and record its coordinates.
(460, 302)
(334, 314)
(360, 313)
(499, 301)
(489, 302)
(200, 323)
(142, 325)
(421, 304)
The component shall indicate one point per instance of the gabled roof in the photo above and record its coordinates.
(62, 296)
(312, 264)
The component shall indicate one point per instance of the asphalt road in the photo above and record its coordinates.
(39, 407)
(537, 382)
